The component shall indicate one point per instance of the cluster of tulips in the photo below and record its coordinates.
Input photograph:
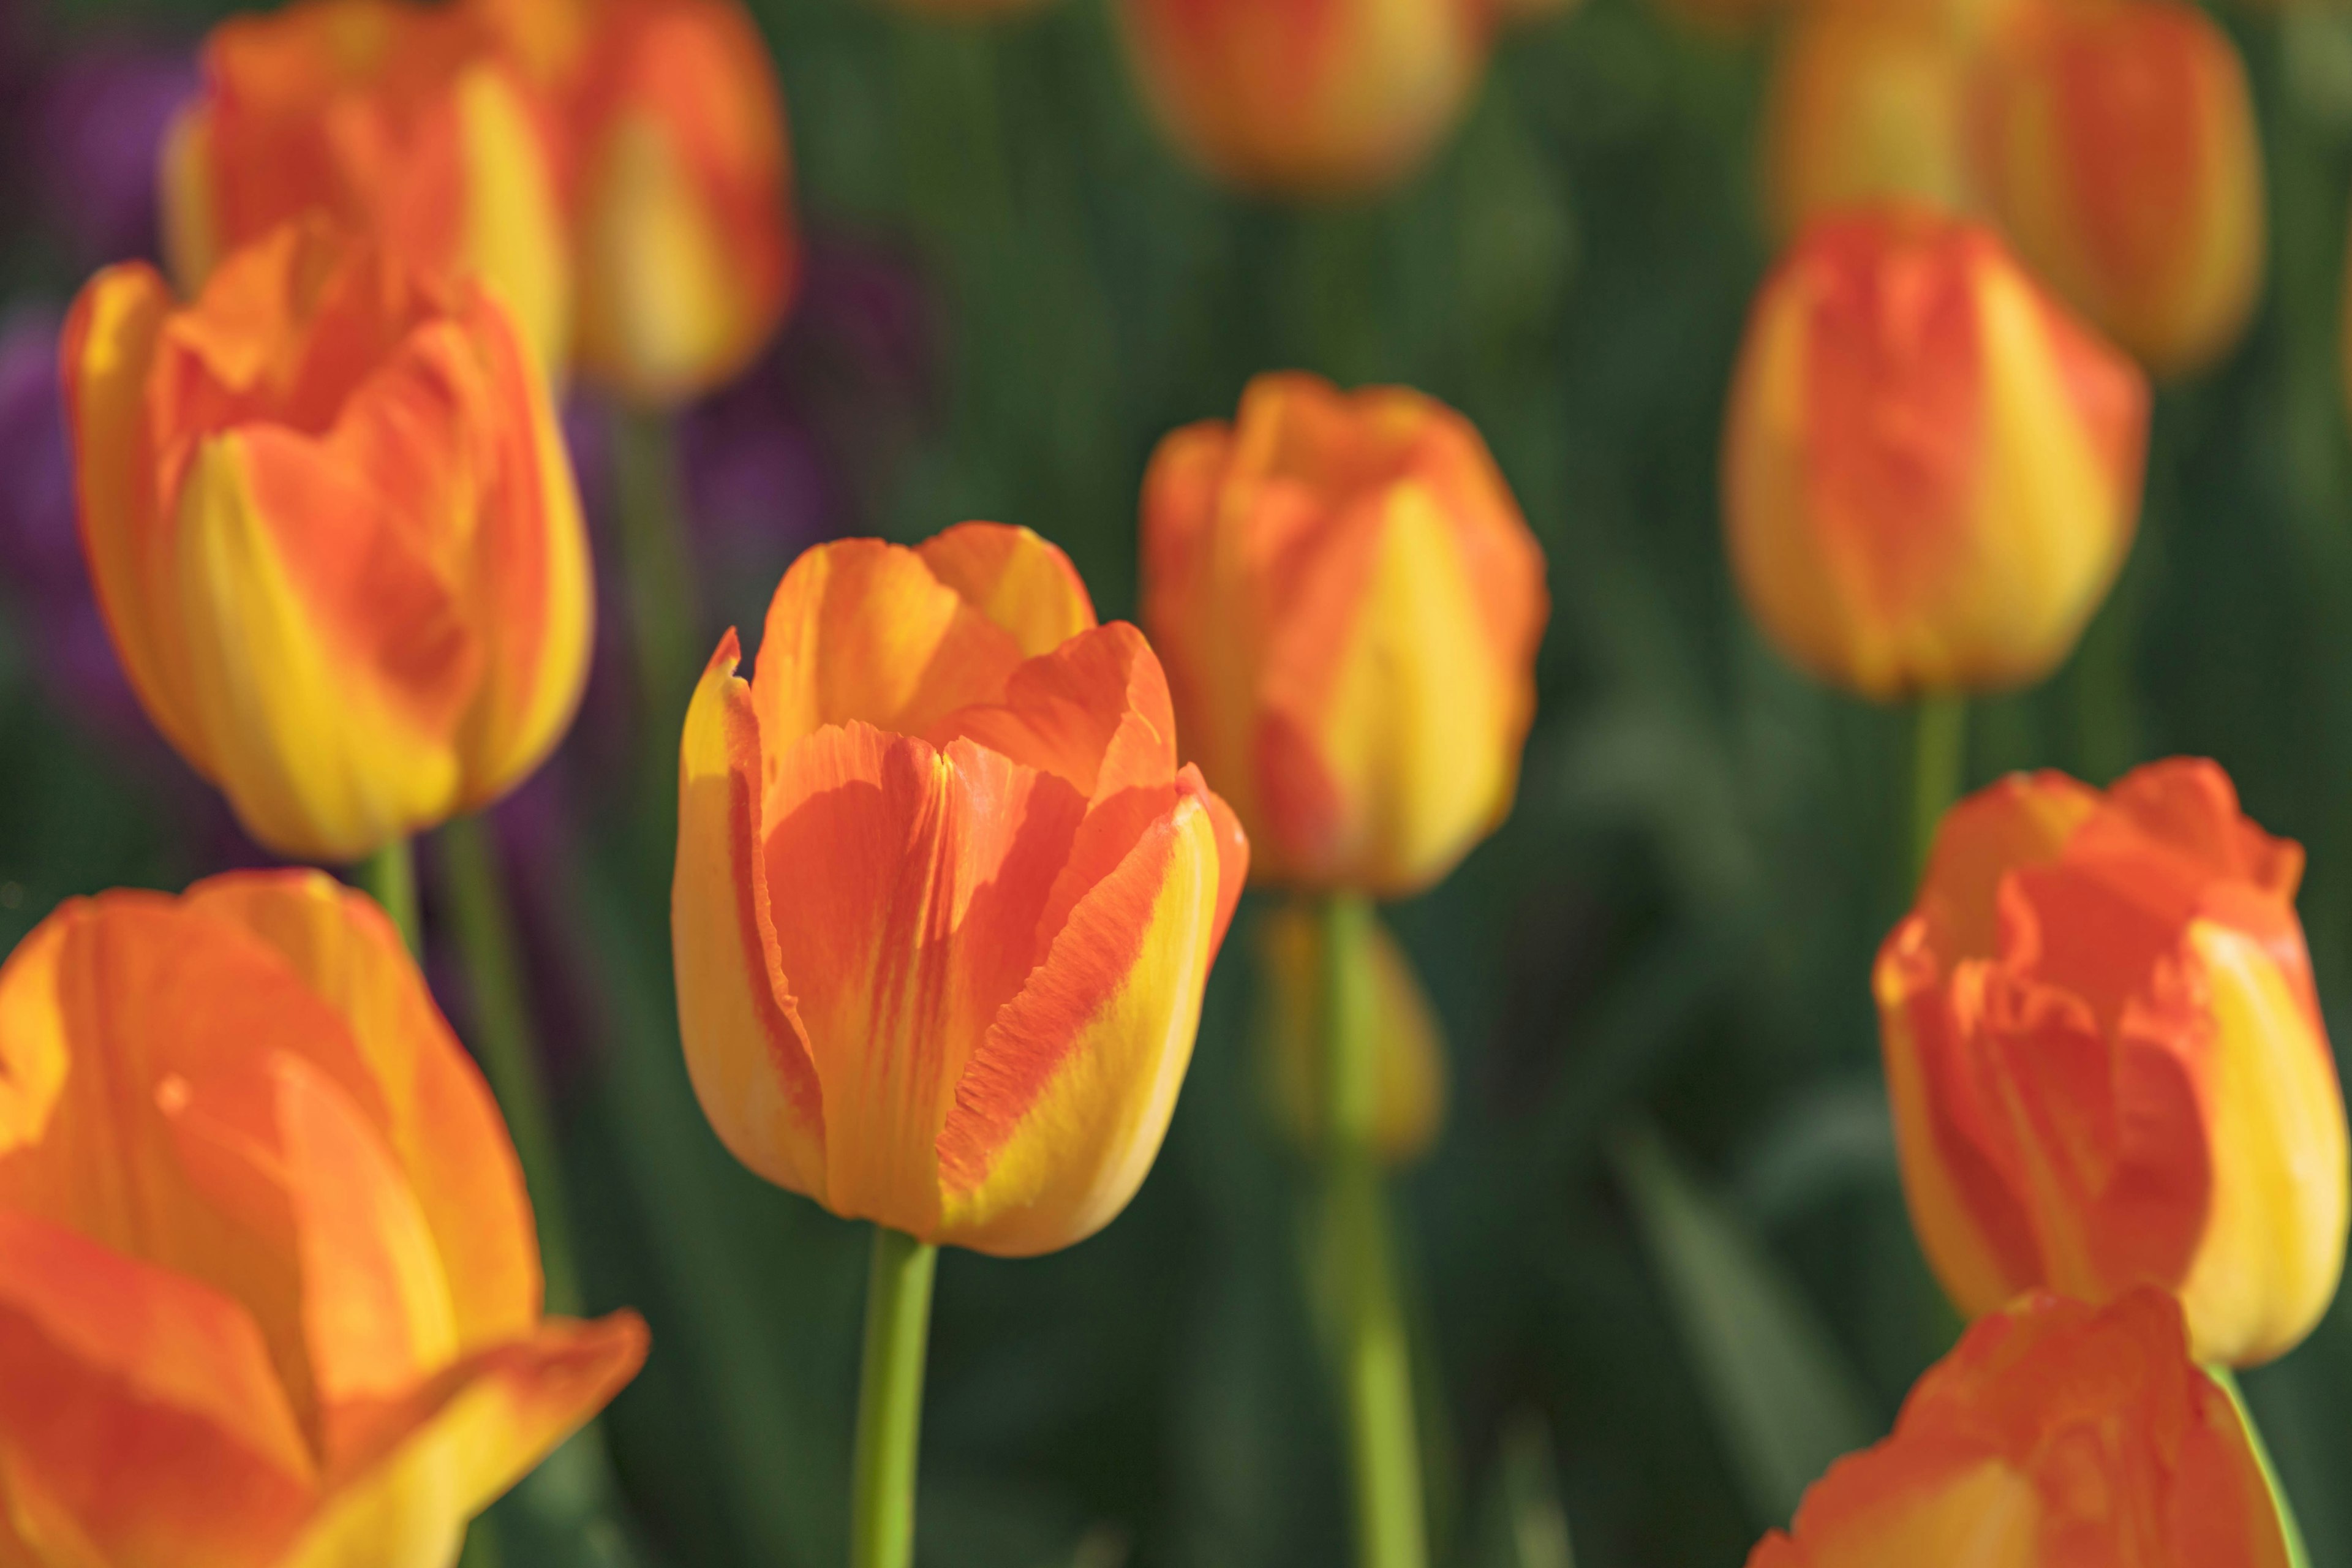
(952, 866)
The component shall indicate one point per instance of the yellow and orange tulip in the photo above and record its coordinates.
(945, 901)
(269, 1293)
(2120, 151)
(1349, 604)
(2054, 1435)
(1931, 471)
(396, 119)
(681, 180)
(1408, 1043)
(2106, 1059)
(334, 532)
(1308, 96)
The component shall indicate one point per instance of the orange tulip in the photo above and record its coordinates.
(394, 119)
(270, 1294)
(1408, 1044)
(1931, 473)
(2120, 151)
(1308, 96)
(1349, 604)
(2055, 1435)
(334, 532)
(2106, 1059)
(682, 229)
(945, 903)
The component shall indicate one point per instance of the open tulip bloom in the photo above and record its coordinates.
(944, 909)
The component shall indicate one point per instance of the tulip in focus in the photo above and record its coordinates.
(1409, 1045)
(2120, 152)
(270, 1294)
(2054, 1435)
(682, 231)
(945, 903)
(334, 532)
(1931, 471)
(2106, 1059)
(1308, 96)
(1349, 604)
(396, 119)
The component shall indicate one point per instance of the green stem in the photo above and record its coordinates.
(1938, 764)
(2298, 1555)
(482, 920)
(890, 1401)
(389, 877)
(1374, 1359)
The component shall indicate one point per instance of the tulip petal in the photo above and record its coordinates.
(745, 1047)
(320, 755)
(439, 1118)
(140, 1418)
(479, 1429)
(862, 631)
(513, 227)
(1016, 579)
(1061, 1110)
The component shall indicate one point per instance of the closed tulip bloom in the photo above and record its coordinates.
(269, 1295)
(1409, 1044)
(945, 901)
(334, 532)
(1931, 471)
(2106, 1059)
(2121, 153)
(683, 230)
(1308, 97)
(2054, 1435)
(1349, 604)
(396, 119)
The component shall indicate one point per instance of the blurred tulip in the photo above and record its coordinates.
(1308, 96)
(1349, 602)
(682, 231)
(398, 120)
(1931, 472)
(2119, 149)
(1409, 1043)
(945, 903)
(2055, 1435)
(2106, 1059)
(334, 533)
(269, 1291)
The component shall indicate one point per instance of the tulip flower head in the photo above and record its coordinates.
(2120, 152)
(395, 119)
(2106, 1059)
(2054, 1435)
(269, 1292)
(1931, 471)
(1409, 1044)
(945, 903)
(1349, 604)
(682, 231)
(1308, 97)
(334, 532)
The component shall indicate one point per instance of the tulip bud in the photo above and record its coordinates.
(1409, 1045)
(1931, 473)
(945, 903)
(269, 1292)
(1308, 97)
(686, 249)
(2119, 149)
(1349, 602)
(396, 119)
(2054, 1435)
(2106, 1059)
(334, 532)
